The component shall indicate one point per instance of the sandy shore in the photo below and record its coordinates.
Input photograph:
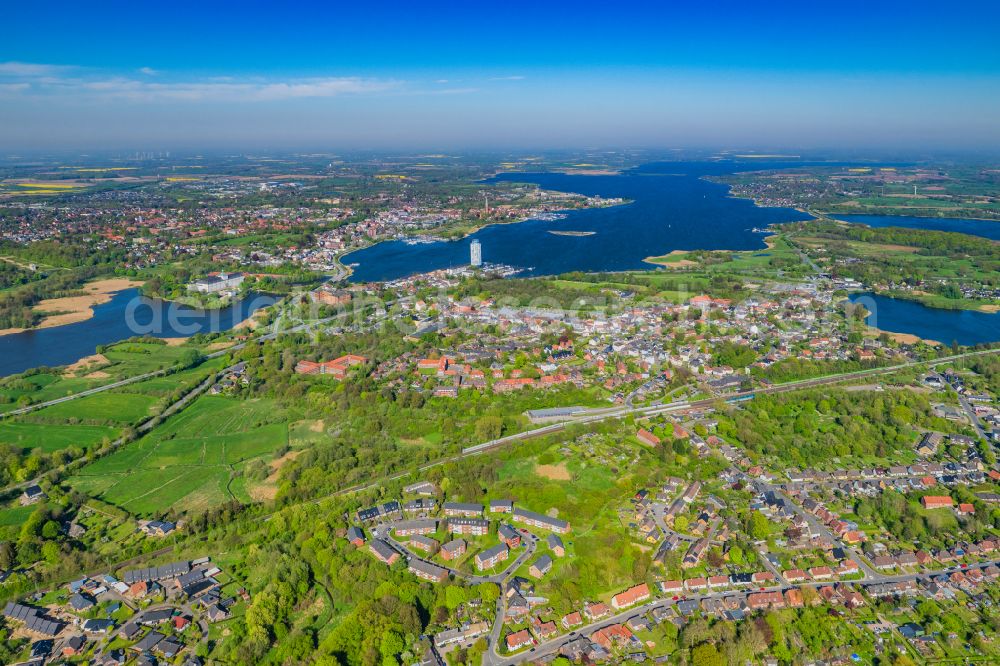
(73, 309)
(906, 338)
(85, 364)
(665, 263)
(249, 322)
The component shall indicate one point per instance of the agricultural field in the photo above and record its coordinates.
(102, 408)
(50, 437)
(194, 461)
(96, 419)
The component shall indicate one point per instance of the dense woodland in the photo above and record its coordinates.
(807, 429)
(938, 254)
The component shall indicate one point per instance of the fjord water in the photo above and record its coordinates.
(127, 314)
(672, 208)
(898, 315)
(985, 228)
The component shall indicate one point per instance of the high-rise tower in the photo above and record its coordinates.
(476, 253)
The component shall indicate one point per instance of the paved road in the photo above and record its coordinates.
(529, 543)
(659, 511)
(818, 527)
(554, 644)
(592, 416)
(501, 611)
(969, 411)
(614, 413)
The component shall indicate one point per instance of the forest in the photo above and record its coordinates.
(810, 428)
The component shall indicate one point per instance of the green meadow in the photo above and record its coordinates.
(192, 461)
(49, 437)
(109, 407)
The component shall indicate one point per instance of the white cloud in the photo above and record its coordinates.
(42, 80)
(454, 91)
(26, 69)
(507, 78)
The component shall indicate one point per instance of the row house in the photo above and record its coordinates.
(509, 536)
(540, 520)
(425, 544)
(413, 527)
(462, 509)
(631, 596)
(694, 554)
(427, 571)
(473, 526)
(383, 552)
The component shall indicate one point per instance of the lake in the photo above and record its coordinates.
(898, 315)
(127, 314)
(673, 208)
(984, 228)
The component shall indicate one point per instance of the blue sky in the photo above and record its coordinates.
(474, 75)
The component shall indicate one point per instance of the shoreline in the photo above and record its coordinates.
(984, 308)
(75, 309)
(769, 242)
(832, 216)
(570, 172)
(819, 214)
(904, 338)
(681, 263)
(478, 228)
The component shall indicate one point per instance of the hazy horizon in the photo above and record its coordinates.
(253, 77)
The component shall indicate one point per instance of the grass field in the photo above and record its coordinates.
(48, 437)
(108, 407)
(161, 386)
(15, 515)
(192, 461)
(42, 387)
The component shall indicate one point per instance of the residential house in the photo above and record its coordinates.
(490, 557)
(540, 520)
(555, 544)
(541, 566)
(453, 549)
(427, 571)
(383, 552)
(631, 596)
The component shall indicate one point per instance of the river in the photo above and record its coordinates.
(127, 314)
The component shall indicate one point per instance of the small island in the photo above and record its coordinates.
(572, 233)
